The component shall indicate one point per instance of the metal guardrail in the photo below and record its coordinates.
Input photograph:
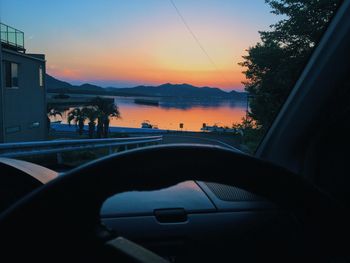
(11, 36)
(59, 146)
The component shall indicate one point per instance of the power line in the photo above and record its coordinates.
(193, 35)
(196, 38)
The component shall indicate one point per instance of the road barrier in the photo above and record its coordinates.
(21, 149)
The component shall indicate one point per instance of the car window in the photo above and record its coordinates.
(138, 73)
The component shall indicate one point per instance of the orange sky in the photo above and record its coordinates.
(167, 54)
(135, 42)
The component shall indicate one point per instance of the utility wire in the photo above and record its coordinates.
(195, 37)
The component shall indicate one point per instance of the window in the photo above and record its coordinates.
(41, 80)
(11, 74)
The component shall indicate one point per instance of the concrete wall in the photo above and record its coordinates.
(26, 106)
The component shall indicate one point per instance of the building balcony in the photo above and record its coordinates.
(12, 38)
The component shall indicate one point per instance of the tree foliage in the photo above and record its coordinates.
(106, 110)
(101, 110)
(77, 116)
(51, 111)
(274, 64)
(91, 113)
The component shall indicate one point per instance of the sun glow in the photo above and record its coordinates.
(142, 42)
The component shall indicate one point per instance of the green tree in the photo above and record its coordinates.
(248, 134)
(51, 112)
(100, 121)
(91, 114)
(107, 109)
(78, 116)
(274, 64)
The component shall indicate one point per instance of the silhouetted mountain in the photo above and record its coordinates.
(57, 86)
(182, 90)
(54, 85)
(90, 87)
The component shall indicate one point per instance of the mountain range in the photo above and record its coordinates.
(54, 85)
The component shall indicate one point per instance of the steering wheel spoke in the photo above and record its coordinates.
(133, 251)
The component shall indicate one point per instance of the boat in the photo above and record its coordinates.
(146, 125)
(150, 102)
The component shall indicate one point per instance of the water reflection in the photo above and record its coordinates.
(188, 104)
(171, 112)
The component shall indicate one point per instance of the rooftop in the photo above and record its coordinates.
(12, 38)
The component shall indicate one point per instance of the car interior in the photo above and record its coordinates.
(289, 202)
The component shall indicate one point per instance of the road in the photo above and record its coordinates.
(225, 140)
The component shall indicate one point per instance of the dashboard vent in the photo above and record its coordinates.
(231, 193)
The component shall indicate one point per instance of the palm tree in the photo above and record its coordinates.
(51, 112)
(107, 109)
(100, 118)
(91, 113)
(110, 111)
(78, 117)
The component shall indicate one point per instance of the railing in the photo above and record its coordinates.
(12, 37)
(59, 146)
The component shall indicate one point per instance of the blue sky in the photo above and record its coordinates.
(125, 43)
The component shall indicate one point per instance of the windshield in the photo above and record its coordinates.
(90, 78)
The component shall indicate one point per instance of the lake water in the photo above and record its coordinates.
(171, 112)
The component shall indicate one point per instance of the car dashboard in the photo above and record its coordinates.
(208, 219)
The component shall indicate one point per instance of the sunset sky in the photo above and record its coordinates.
(127, 43)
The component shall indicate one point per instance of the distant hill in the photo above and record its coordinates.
(54, 85)
(181, 90)
(58, 86)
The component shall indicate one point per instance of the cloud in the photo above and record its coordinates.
(64, 73)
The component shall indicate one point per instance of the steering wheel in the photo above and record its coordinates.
(61, 219)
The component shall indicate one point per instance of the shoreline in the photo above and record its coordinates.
(63, 127)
